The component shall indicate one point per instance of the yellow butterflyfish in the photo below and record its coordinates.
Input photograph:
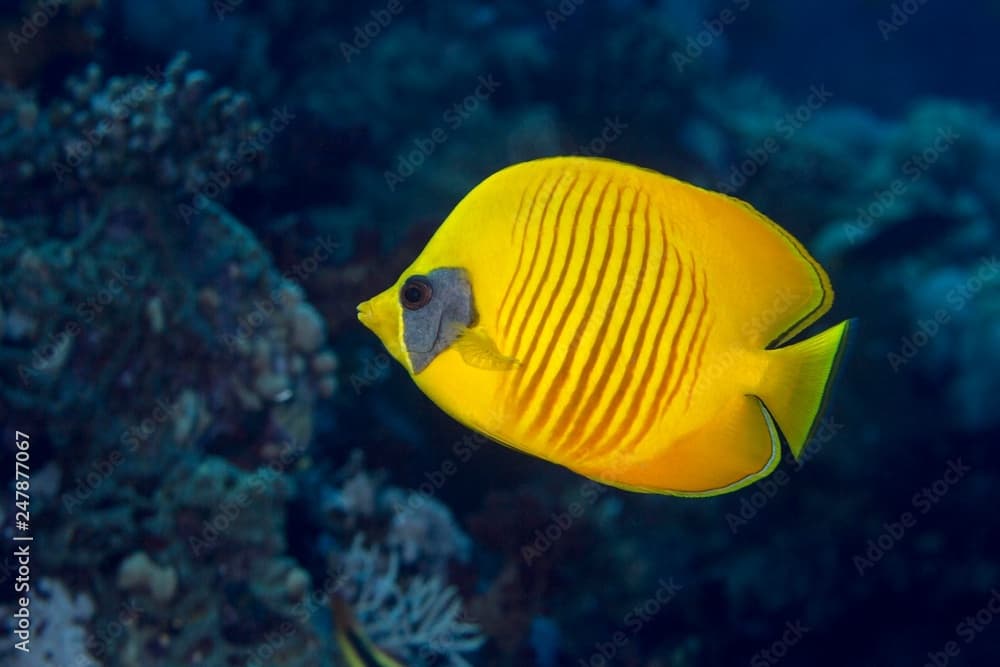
(618, 322)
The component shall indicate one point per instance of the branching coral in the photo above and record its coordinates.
(415, 618)
(424, 530)
(394, 551)
(414, 524)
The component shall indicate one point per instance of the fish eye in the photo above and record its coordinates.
(416, 293)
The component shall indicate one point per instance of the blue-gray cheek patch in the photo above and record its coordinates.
(429, 330)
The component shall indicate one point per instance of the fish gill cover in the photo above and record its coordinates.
(207, 459)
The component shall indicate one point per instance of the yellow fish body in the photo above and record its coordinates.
(618, 322)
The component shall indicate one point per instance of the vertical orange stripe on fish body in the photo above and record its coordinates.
(572, 377)
(637, 371)
(632, 305)
(584, 423)
(614, 412)
(527, 253)
(544, 376)
(543, 342)
(530, 320)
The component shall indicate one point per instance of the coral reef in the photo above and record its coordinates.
(103, 278)
(131, 295)
(214, 584)
(59, 636)
(100, 309)
(139, 573)
(166, 130)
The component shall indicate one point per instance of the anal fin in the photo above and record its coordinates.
(738, 447)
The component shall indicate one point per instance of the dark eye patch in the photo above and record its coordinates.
(436, 307)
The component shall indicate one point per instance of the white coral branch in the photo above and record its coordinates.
(420, 616)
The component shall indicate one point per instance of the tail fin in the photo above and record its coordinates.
(795, 385)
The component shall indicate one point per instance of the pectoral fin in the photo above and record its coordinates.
(480, 351)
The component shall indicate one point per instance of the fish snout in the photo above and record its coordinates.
(366, 314)
(380, 315)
